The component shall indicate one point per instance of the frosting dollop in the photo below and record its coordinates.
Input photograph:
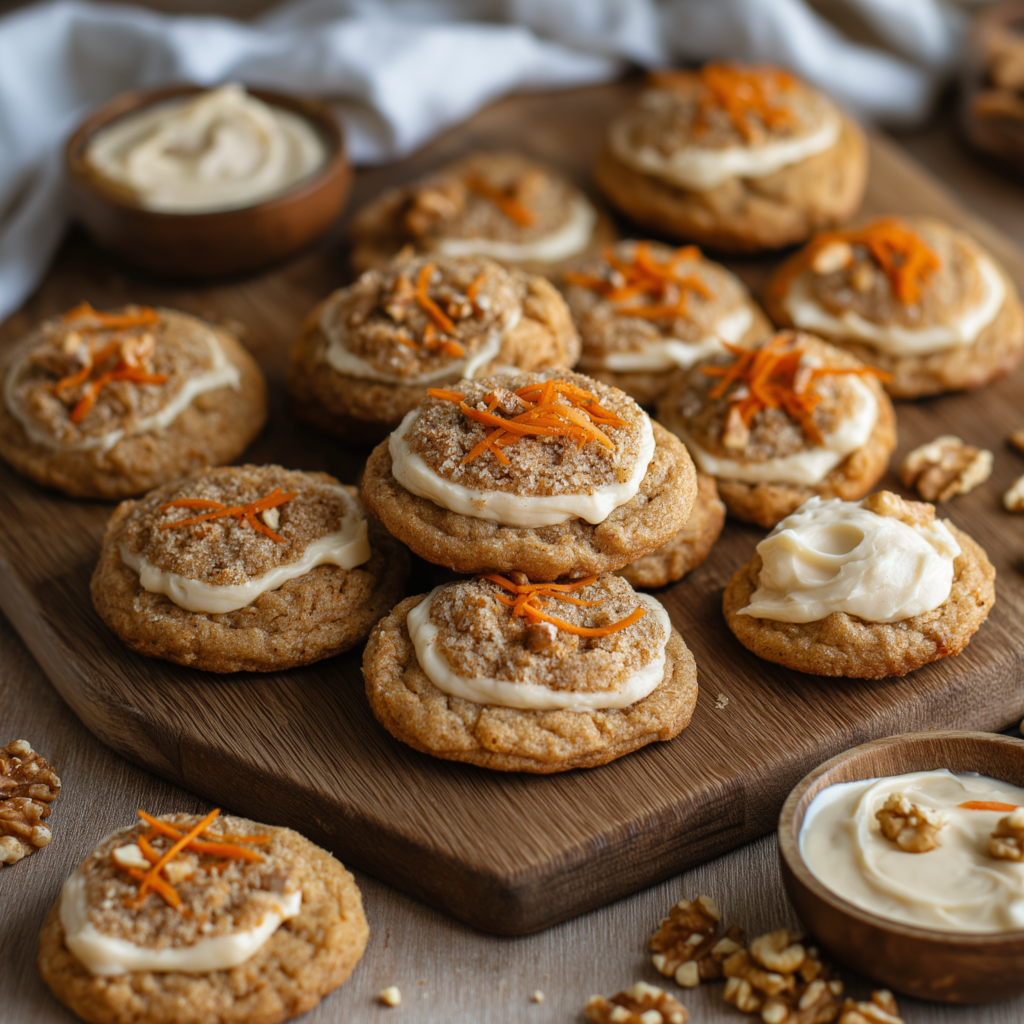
(838, 556)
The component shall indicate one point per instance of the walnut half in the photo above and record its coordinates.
(28, 785)
(641, 1004)
(945, 467)
(1007, 842)
(686, 946)
(912, 827)
(881, 1010)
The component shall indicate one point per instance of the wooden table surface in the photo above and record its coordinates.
(446, 971)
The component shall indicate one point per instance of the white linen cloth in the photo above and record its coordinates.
(403, 70)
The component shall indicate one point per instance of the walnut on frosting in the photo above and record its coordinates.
(912, 827)
(641, 1004)
(945, 467)
(913, 513)
(687, 947)
(1007, 842)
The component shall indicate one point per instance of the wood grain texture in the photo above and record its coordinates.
(505, 853)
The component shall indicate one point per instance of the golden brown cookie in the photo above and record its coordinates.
(645, 310)
(501, 204)
(807, 428)
(368, 353)
(488, 649)
(637, 485)
(911, 296)
(688, 548)
(843, 644)
(658, 164)
(203, 604)
(309, 954)
(107, 405)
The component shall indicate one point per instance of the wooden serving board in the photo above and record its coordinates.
(507, 853)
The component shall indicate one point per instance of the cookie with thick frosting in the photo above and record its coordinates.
(780, 422)
(736, 157)
(248, 568)
(911, 296)
(505, 674)
(111, 404)
(368, 353)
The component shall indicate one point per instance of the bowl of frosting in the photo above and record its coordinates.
(199, 183)
(904, 858)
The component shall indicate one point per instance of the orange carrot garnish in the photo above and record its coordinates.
(151, 878)
(987, 805)
(430, 307)
(246, 513)
(145, 317)
(217, 839)
(474, 287)
(157, 884)
(507, 203)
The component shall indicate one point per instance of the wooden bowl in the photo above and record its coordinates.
(223, 243)
(954, 967)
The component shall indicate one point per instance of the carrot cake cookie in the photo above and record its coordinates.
(912, 296)
(543, 473)
(249, 568)
(863, 589)
(644, 310)
(111, 404)
(784, 421)
(368, 353)
(539, 677)
(181, 918)
(503, 205)
(736, 157)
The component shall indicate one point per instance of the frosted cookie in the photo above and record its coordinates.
(179, 919)
(367, 354)
(913, 296)
(644, 310)
(106, 405)
(249, 568)
(736, 157)
(863, 589)
(530, 677)
(503, 205)
(543, 473)
(690, 546)
(777, 424)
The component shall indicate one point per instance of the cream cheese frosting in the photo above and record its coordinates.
(220, 150)
(837, 556)
(531, 696)
(894, 339)
(222, 373)
(702, 168)
(803, 468)
(571, 238)
(594, 506)
(107, 955)
(346, 548)
(955, 887)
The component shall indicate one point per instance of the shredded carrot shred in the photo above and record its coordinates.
(545, 416)
(145, 317)
(987, 805)
(530, 597)
(898, 250)
(246, 513)
(505, 201)
(645, 277)
(474, 288)
(771, 377)
(432, 341)
(742, 93)
(430, 307)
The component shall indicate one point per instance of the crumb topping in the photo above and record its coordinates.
(619, 306)
(480, 636)
(86, 373)
(218, 896)
(723, 105)
(421, 314)
(229, 550)
(444, 437)
(737, 406)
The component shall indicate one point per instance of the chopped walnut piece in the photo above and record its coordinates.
(913, 513)
(686, 946)
(28, 785)
(1007, 842)
(1013, 498)
(832, 257)
(911, 827)
(429, 206)
(863, 278)
(783, 980)
(736, 435)
(402, 296)
(1017, 440)
(945, 467)
(540, 636)
(641, 1004)
(391, 996)
(881, 1010)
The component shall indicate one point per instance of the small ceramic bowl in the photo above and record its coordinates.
(954, 967)
(224, 243)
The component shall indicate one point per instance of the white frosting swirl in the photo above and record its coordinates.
(531, 696)
(837, 556)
